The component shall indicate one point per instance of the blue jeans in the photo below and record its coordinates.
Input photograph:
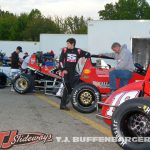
(123, 75)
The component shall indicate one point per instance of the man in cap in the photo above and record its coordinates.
(15, 58)
(15, 62)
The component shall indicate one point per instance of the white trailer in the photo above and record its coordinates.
(134, 33)
(56, 42)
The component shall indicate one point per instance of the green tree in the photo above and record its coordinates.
(76, 25)
(30, 26)
(8, 26)
(126, 9)
(21, 26)
(38, 24)
(72, 25)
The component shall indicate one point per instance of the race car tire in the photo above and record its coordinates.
(23, 83)
(3, 80)
(84, 98)
(130, 121)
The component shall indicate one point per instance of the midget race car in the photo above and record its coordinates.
(127, 111)
(91, 82)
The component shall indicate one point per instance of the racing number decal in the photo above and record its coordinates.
(115, 100)
(120, 98)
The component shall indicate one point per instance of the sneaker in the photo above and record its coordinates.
(64, 108)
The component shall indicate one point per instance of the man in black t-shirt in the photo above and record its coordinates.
(67, 64)
(15, 58)
(15, 62)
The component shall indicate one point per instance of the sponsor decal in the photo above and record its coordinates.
(120, 139)
(12, 138)
(102, 72)
(146, 109)
(74, 98)
(101, 84)
(86, 71)
(71, 57)
(85, 77)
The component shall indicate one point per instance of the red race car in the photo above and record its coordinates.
(93, 85)
(127, 111)
(41, 74)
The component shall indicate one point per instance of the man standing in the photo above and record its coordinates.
(67, 62)
(15, 61)
(124, 67)
(25, 63)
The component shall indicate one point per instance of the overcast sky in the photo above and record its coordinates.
(61, 8)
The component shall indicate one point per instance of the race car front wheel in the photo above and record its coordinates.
(84, 98)
(23, 83)
(131, 124)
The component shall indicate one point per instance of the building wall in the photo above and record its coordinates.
(47, 42)
(9, 46)
(56, 42)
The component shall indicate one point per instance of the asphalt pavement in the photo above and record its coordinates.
(27, 116)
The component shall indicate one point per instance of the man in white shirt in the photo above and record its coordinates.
(25, 62)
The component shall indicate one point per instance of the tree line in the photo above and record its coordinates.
(29, 26)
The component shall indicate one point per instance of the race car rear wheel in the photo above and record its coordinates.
(3, 80)
(131, 124)
(23, 83)
(84, 98)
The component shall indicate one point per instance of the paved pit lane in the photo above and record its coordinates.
(37, 113)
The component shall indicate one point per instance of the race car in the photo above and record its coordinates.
(41, 74)
(93, 84)
(127, 111)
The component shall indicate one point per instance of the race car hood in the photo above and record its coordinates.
(118, 97)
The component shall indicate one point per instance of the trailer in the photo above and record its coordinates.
(134, 33)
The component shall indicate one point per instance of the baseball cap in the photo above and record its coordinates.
(19, 48)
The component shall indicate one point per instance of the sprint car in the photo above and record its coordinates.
(93, 84)
(127, 111)
(41, 74)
